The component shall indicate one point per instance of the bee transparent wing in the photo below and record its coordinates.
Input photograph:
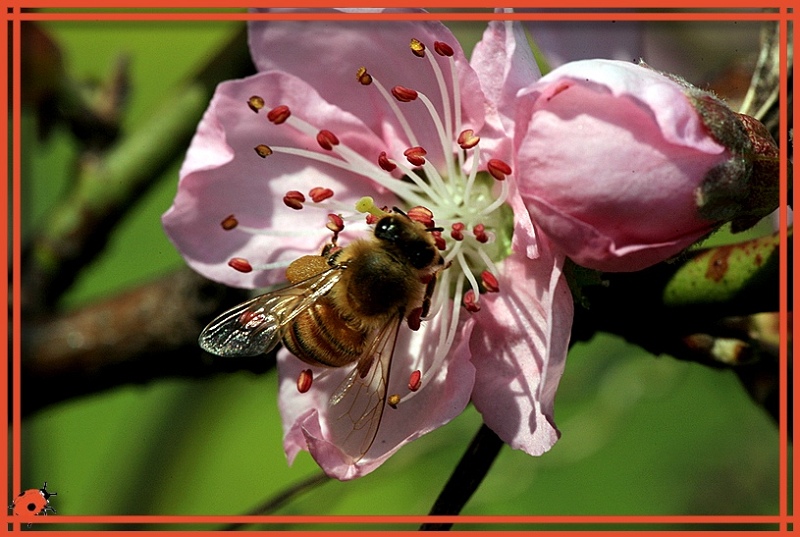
(357, 404)
(253, 327)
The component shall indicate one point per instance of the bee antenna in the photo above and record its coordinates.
(399, 211)
(432, 229)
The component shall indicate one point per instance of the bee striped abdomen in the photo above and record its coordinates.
(322, 336)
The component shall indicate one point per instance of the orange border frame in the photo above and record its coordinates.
(20, 10)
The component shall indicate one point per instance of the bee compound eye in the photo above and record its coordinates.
(420, 256)
(387, 229)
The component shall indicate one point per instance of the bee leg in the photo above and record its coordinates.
(426, 300)
(330, 251)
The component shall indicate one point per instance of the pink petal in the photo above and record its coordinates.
(303, 47)
(306, 417)
(524, 238)
(660, 96)
(519, 347)
(223, 175)
(611, 155)
(505, 64)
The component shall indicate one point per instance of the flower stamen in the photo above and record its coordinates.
(498, 169)
(415, 155)
(326, 139)
(241, 264)
(385, 163)
(229, 223)
(471, 303)
(457, 231)
(473, 282)
(304, 380)
(335, 223)
(294, 199)
(479, 231)
(415, 381)
(363, 77)
(423, 215)
(319, 194)
(468, 139)
(279, 114)
(404, 95)
(255, 103)
(442, 48)
(418, 48)
(263, 150)
(489, 282)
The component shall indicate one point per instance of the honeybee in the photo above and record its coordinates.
(343, 308)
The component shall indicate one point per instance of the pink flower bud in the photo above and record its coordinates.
(625, 166)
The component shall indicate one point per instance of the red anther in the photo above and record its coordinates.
(467, 139)
(241, 264)
(418, 48)
(318, 194)
(385, 163)
(393, 400)
(489, 282)
(263, 150)
(304, 380)
(403, 94)
(414, 319)
(229, 223)
(421, 214)
(438, 240)
(326, 139)
(415, 155)
(498, 169)
(294, 199)
(442, 49)
(363, 77)
(471, 302)
(255, 103)
(480, 233)
(415, 381)
(335, 223)
(279, 114)
(457, 231)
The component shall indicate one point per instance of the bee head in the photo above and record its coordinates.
(408, 239)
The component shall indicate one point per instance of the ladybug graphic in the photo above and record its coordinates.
(33, 501)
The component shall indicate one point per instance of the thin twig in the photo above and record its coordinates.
(282, 498)
(465, 479)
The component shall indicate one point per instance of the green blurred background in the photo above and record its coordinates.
(640, 435)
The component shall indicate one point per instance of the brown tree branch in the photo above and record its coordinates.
(135, 337)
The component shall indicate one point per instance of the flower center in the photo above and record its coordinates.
(461, 198)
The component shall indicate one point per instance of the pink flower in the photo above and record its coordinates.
(620, 164)
(411, 130)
